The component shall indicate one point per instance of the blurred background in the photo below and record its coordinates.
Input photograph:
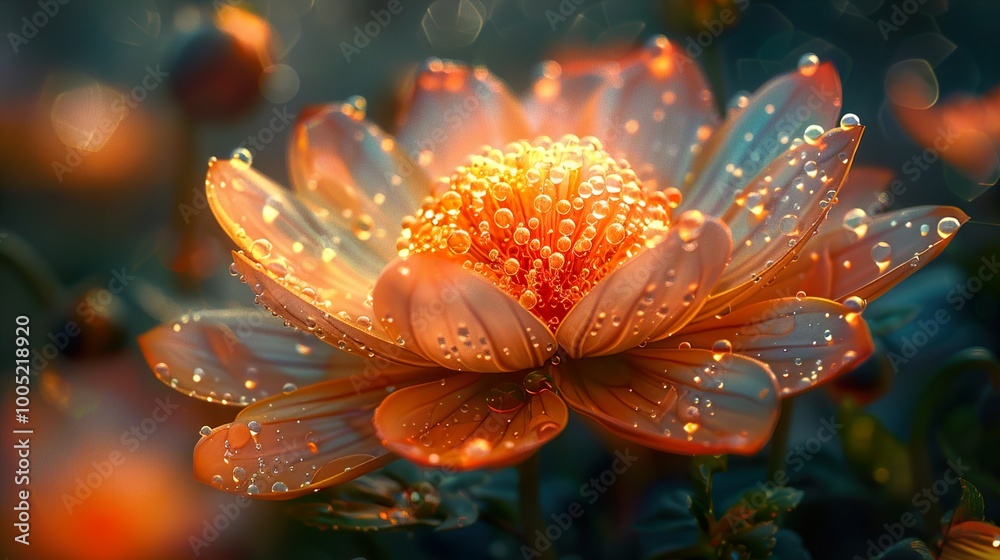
(110, 109)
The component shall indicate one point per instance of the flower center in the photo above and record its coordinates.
(543, 220)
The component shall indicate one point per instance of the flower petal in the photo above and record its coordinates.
(554, 104)
(776, 113)
(810, 273)
(655, 114)
(305, 440)
(452, 111)
(972, 540)
(292, 304)
(651, 295)
(863, 189)
(358, 174)
(678, 401)
(457, 318)
(772, 219)
(912, 238)
(805, 342)
(278, 229)
(470, 421)
(239, 356)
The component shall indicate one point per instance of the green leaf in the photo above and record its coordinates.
(670, 527)
(751, 542)
(759, 506)
(970, 506)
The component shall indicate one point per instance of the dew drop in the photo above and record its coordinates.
(947, 227)
(788, 224)
(241, 158)
(808, 64)
(849, 121)
(288, 388)
(856, 220)
(812, 134)
(881, 254)
(205, 431)
(459, 241)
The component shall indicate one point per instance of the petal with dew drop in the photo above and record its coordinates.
(457, 318)
(452, 111)
(357, 175)
(779, 211)
(239, 356)
(471, 421)
(678, 401)
(280, 231)
(805, 341)
(894, 246)
(864, 189)
(296, 443)
(754, 135)
(352, 334)
(655, 113)
(653, 294)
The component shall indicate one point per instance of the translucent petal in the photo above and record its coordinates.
(357, 175)
(452, 111)
(359, 334)
(678, 401)
(470, 421)
(239, 356)
(805, 341)
(293, 444)
(279, 230)
(656, 113)
(457, 318)
(752, 137)
(651, 295)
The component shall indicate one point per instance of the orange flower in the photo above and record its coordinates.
(656, 268)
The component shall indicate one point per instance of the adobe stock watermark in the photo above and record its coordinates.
(922, 502)
(959, 297)
(30, 25)
(590, 491)
(280, 120)
(105, 468)
(121, 106)
(88, 309)
(713, 28)
(795, 459)
(901, 13)
(364, 35)
(563, 12)
(914, 168)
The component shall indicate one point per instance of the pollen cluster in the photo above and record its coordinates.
(543, 220)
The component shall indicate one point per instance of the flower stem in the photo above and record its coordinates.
(531, 511)
(779, 441)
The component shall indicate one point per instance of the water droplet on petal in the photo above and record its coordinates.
(812, 134)
(849, 121)
(947, 227)
(241, 158)
(288, 388)
(808, 64)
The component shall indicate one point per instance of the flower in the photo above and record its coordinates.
(663, 271)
